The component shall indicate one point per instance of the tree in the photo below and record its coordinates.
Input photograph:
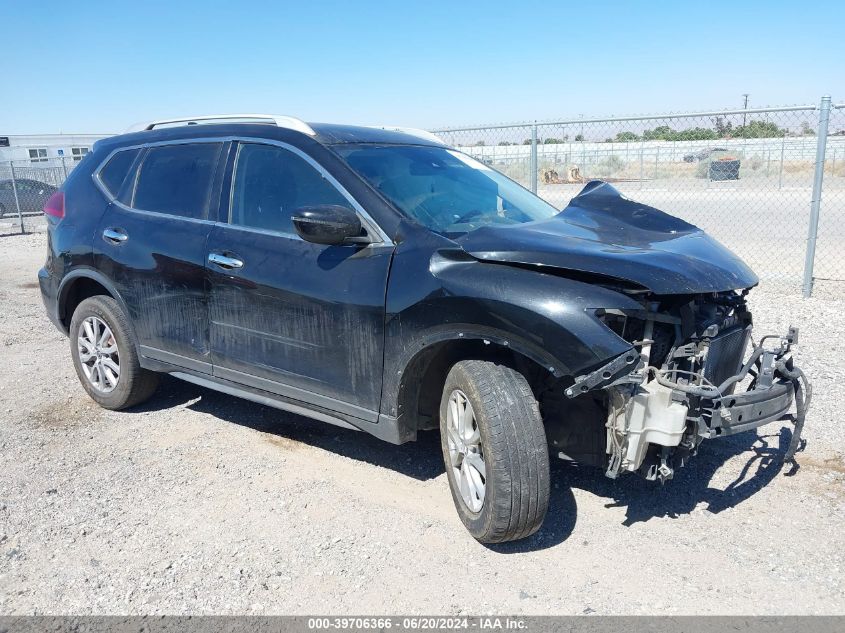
(696, 134)
(666, 133)
(626, 137)
(579, 137)
(758, 129)
(505, 143)
(479, 144)
(660, 133)
(806, 130)
(722, 129)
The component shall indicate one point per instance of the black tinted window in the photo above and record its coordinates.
(270, 183)
(176, 179)
(114, 172)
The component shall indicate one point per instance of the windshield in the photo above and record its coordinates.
(443, 189)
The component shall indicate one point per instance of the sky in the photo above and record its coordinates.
(98, 67)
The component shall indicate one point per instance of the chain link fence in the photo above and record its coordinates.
(752, 178)
(25, 185)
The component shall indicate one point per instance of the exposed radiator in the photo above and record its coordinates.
(725, 356)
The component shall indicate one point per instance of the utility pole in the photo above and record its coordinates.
(745, 107)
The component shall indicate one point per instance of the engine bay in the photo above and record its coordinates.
(694, 372)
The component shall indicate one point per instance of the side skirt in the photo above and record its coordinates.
(218, 385)
(385, 428)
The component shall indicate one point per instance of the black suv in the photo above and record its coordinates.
(379, 280)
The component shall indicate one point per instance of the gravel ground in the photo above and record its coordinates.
(201, 503)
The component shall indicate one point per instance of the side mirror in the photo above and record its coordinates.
(327, 224)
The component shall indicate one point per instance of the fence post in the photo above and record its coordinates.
(64, 167)
(780, 171)
(583, 155)
(642, 151)
(533, 162)
(15, 192)
(656, 160)
(816, 200)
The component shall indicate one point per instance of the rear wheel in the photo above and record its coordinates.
(105, 357)
(495, 451)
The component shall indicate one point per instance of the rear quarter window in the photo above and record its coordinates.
(114, 172)
(176, 179)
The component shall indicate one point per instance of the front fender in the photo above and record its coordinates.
(548, 318)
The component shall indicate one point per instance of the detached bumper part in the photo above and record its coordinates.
(658, 417)
(751, 409)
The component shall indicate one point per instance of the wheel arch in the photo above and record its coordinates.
(80, 284)
(412, 392)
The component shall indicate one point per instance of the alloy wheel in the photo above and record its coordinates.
(465, 453)
(98, 354)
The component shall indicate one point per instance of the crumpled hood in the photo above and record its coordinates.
(601, 232)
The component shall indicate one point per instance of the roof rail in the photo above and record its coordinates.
(289, 122)
(412, 131)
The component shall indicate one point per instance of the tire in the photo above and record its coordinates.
(129, 386)
(512, 445)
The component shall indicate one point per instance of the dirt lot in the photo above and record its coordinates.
(201, 503)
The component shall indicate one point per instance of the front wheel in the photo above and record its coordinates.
(494, 447)
(105, 357)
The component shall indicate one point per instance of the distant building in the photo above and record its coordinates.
(46, 158)
(34, 149)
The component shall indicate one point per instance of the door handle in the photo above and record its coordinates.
(115, 236)
(224, 261)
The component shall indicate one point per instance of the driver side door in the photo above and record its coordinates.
(297, 319)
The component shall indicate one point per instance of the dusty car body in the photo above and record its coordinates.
(420, 290)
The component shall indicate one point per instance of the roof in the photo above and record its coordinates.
(332, 133)
(326, 133)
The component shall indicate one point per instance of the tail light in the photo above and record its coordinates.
(55, 205)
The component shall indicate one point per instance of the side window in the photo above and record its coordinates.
(114, 172)
(270, 183)
(176, 179)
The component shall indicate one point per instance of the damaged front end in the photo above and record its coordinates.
(681, 383)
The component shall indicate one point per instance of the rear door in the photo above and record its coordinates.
(298, 319)
(151, 243)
